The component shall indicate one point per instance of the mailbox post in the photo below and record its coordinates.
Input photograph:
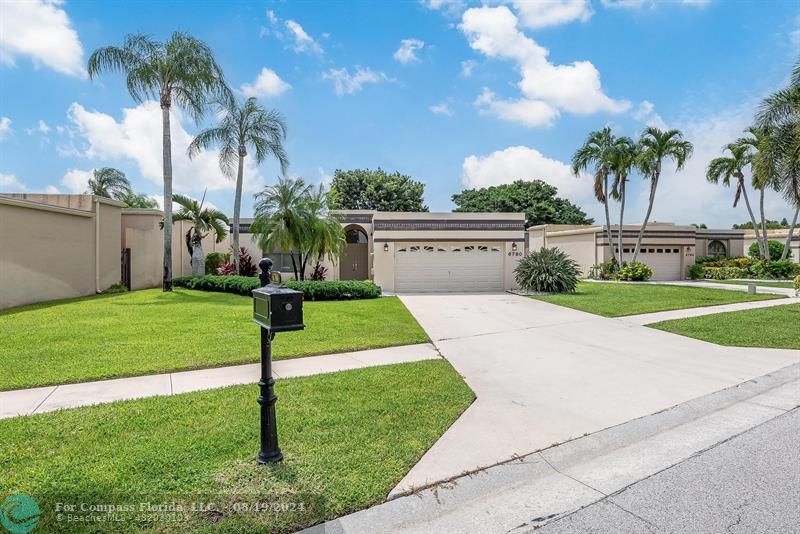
(276, 308)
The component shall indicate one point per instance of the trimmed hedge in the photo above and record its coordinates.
(312, 290)
(724, 273)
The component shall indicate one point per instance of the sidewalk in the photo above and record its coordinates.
(656, 317)
(46, 399)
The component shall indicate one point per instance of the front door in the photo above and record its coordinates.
(354, 264)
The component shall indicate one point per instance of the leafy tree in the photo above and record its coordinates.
(243, 125)
(535, 198)
(597, 152)
(204, 220)
(108, 182)
(656, 146)
(365, 189)
(771, 225)
(182, 71)
(623, 161)
(294, 218)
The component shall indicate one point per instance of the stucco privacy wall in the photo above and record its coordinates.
(55, 252)
(141, 233)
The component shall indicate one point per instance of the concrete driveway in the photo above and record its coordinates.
(544, 374)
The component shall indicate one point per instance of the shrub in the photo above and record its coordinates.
(797, 285)
(549, 270)
(604, 271)
(739, 263)
(246, 265)
(214, 260)
(775, 250)
(774, 269)
(115, 288)
(226, 269)
(723, 273)
(635, 272)
(697, 271)
(320, 272)
(312, 290)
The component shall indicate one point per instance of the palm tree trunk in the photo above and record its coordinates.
(764, 226)
(167, 154)
(608, 217)
(198, 259)
(788, 244)
(752, 216)
(653, 186)
(237, 208)
(621, 218)
(294, 266)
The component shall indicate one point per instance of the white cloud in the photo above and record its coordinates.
(52, 190)
(407, 53)
(10, 184)
(543, 13)
(441, 109)
(637, 4)
(345, 83)
(267, 84)
(451, 7)
(137, 137)
(41, 30)
(302, 41)
(40, 127)
(467, 67)
(273, 19)
(645, 113)
(76, 180)
(546, 88)
(5, 128)
(696, 3)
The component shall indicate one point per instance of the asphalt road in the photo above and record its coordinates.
(747, 484)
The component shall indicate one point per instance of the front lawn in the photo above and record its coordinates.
(149, 331)
(788, 285)
(347, 439)
(611, 299)
(777, 327)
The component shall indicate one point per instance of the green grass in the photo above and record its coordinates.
(619, 299)
(148, 331)
(788, 285)
(776, 327)
(347, 439)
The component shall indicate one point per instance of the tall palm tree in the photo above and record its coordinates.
(597, 153)
(730, 167)
(204, 220)
(623, 160)
(108, 182)
(781, 113)
(764, 163)
(280, 219)
(243, 125)
(656, 146)
(182, 71)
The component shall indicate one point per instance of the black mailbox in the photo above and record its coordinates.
(278, 308)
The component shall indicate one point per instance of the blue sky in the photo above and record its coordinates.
(455, 93)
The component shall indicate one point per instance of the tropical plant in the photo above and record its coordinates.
(697, 271)
(108, 182)
(214, 260)
(204, 220)
(623, 160)
(774, 248)
(246, 265)
(597, 153)
(780, 112)
(366, 189)
(182, 71)
(732, 167)
(136, 200)
(294, 218)
(243, 125)
(548, 270)
(655, 146)
(635, 272)
(797, 285)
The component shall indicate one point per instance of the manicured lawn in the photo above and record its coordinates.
(347, 439)
(788, 285)
(619, 299)
(148, 331)
(777, 327)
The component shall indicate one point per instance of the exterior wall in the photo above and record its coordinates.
(108, 221)
(141, 232)
(578, 244)
(49, 254)
(734, 241)
(776, 235)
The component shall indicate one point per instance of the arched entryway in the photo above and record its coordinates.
(717, 249)
(354, 264)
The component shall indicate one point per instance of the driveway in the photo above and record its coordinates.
(544, 374)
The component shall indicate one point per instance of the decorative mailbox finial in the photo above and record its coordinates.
(266, 271)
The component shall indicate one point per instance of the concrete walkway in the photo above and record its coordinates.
(650, 318)
(545, 374)
(543, 490)
(47, 399)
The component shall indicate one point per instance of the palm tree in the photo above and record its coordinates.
(597, 152)
(781, 113)
(656, 146)
(108, 182)
(727, 167)
(280, 219)
(136, 200)
(181, 71)
(324, 234)
(242, 125)
(623, 160)
(204, 220)
(764, 163)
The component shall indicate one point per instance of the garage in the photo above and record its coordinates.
(664, 260)
(448, 267)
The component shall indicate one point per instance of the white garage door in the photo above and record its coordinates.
(665, 262)
(433, 267)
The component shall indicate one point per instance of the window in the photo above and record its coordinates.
(402, 250)
(440, 250)
(717, 249)
(456, 249)
(413, 249)
(427, 248)
(469, 248)
(281, 261)
(483, 248)
(660, 251)
(495, 249)
(675, 250)
(355, 235)
(652, 251)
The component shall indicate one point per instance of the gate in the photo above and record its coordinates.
(125, 274)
